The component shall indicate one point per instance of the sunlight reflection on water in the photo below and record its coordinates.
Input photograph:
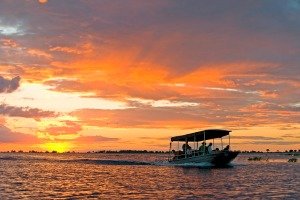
(115, 176)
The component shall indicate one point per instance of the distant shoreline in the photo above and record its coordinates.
(297, 153)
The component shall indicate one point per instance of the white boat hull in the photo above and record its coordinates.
(220, 158)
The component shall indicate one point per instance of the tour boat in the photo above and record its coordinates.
(203, 154)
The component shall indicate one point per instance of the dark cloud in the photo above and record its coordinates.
(25, 112)
(8, 86)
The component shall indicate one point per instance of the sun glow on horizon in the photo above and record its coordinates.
(59, 147)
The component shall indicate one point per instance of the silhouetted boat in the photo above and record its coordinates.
(202, 155)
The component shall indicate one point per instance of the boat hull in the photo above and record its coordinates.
(221, 158)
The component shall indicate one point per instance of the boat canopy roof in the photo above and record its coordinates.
(201, 135)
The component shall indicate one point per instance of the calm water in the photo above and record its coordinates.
(116, 176)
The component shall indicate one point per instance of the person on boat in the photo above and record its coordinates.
(186, 148)
(209, 148)
(202, 148)
(226, 148)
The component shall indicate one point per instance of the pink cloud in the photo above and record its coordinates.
(8, 136)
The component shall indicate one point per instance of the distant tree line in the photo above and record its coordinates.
(139, 151)
(33, 151)
(128, 151)
(286, 151)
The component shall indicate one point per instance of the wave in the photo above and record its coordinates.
(8, 158)
(87, 161)
(111, 162)
(107, 162)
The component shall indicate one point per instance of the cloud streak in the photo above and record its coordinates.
(25, 112)
(95, 139)
(257, 137)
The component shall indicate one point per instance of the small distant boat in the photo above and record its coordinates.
(292, 160)
(202, 154)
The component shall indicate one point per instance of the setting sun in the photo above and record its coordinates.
(59, 147)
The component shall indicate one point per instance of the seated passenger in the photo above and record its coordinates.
(226, 148)
(202, 148)
(186, 147)
(209, 148)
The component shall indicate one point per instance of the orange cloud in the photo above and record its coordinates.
(39, 53)
(70, 128)
(9, 43)
(141, 118)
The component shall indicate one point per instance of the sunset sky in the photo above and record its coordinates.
(127, 74)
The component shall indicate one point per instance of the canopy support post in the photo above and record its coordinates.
(222, 143)
(204, 143)
(185, 150)
(170, 151)
(229, 142)
(195, 144)
(204, 137)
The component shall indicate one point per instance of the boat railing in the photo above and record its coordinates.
(192, 153)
